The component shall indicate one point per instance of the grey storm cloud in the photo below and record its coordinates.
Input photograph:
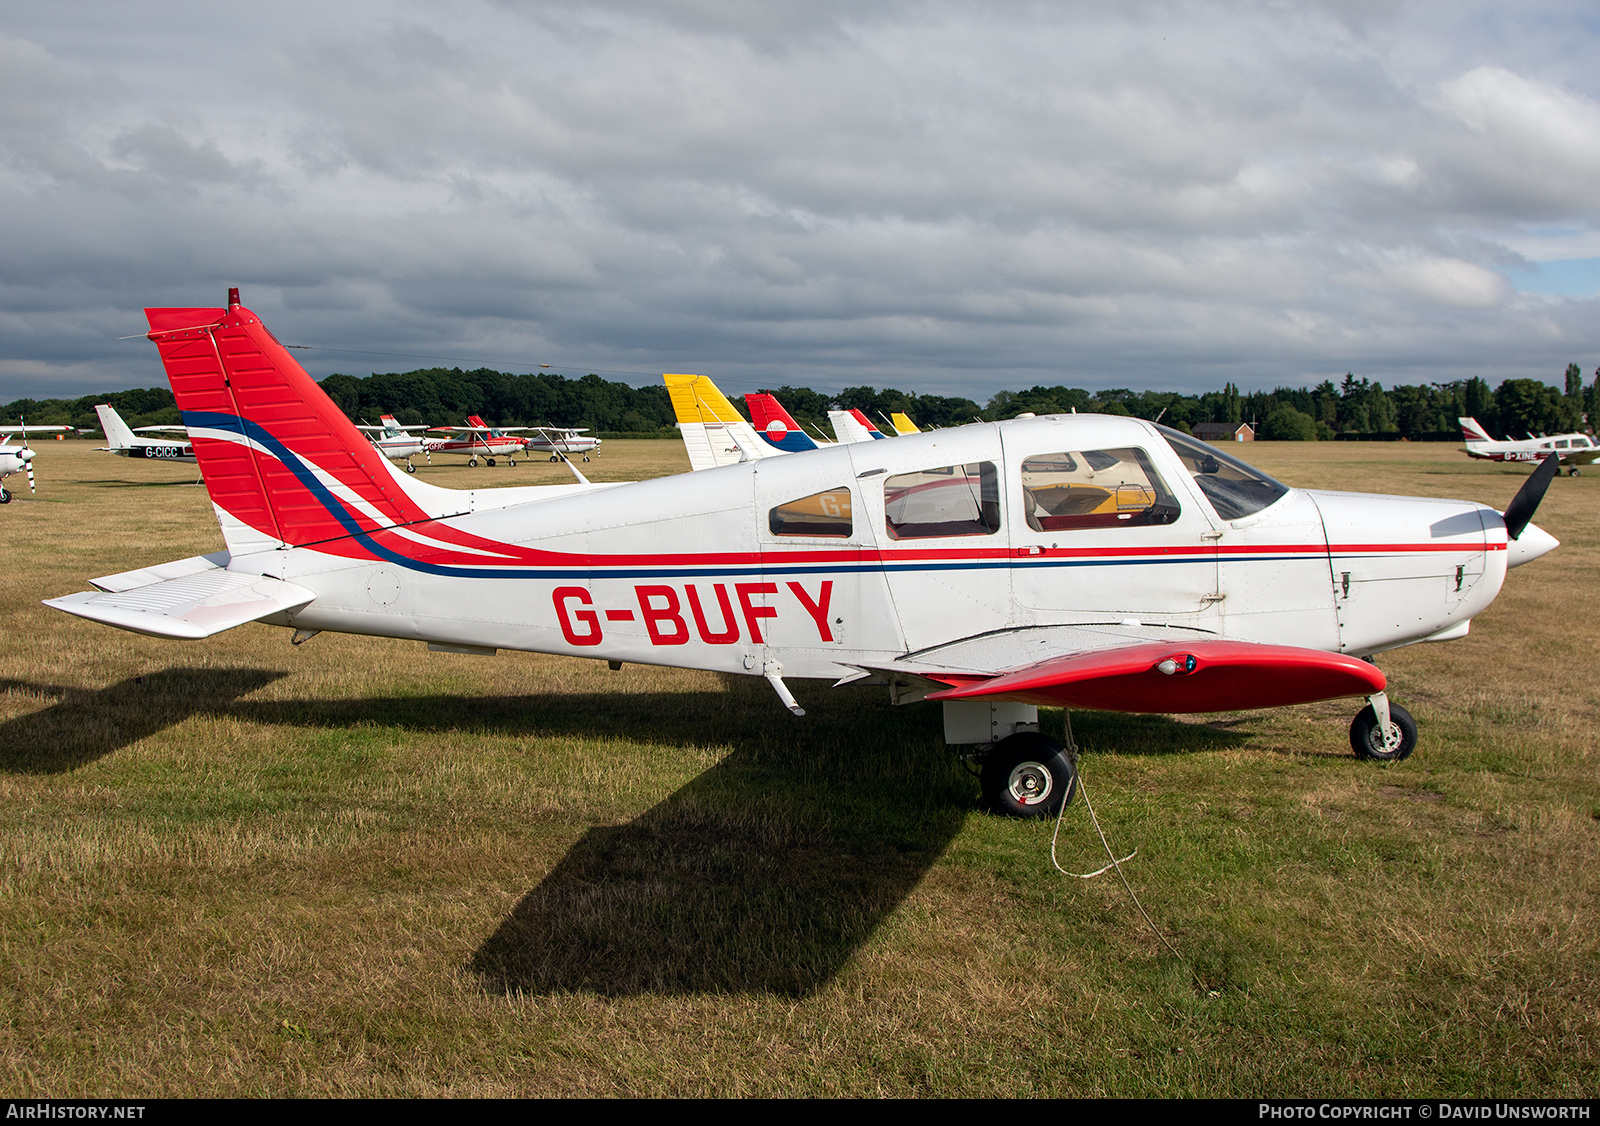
(951, 198)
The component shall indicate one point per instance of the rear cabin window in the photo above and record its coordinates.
(1094, 489)
(952, 500)
(825, 515)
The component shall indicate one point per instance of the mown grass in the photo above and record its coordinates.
(238, 867)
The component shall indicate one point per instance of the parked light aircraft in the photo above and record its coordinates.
(124, 442)
(395, 441)
(1082, 561)
(558, 441)
(19, 459)
(480, 438)
(1573, 449)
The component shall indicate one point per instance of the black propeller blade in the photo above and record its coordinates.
(1526, 502)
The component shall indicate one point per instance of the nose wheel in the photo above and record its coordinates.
(1389, 743)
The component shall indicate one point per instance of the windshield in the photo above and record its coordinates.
(1234, 489)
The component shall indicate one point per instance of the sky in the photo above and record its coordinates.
(946, 198)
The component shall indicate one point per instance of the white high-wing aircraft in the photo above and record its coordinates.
(123, 442)
(558, 441)
(395, 441)
(1573, 449)
(1082, 561)
(19, 458)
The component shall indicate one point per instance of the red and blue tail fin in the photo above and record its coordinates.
(774, 425)
(283, 465)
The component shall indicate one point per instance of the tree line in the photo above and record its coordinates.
(1353, 407)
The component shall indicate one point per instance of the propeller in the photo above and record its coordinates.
(1526, 502)
(26, 454)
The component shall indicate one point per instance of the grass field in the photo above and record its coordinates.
(352, 867)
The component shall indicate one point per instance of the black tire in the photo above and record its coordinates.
(553, 457)
(5, 495)
(472, 461)
(1368, 744)
(1028, 775)
(512, 462)
(491, 462)
(410, 468)
(586, 457)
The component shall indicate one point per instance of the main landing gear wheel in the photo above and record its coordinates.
(5, 495)
(553, 457)
(1573, 472)
(1390, 746)
(1028, 775)
(410, 468)
(491, 463)
(586, 458)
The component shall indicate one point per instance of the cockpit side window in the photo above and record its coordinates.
(1234, 489)
(824, 515)
(1094, 489)
(951, 500)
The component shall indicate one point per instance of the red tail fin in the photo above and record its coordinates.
(277, 455)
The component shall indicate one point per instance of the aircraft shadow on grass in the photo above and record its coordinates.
(765, 874)
(85, 724)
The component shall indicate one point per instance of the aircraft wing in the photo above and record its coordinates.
(32, 429)
(161, 429)
(1129, 667)
(190, 606)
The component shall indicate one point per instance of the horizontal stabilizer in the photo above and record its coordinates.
(189, 607)
(1171, 677)
(145, 576)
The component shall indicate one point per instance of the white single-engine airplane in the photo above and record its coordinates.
(395, 441)
(1082, 561)
(479, 438)
(123, 442)
(558, 441)
(19, 459)
(1573, 449)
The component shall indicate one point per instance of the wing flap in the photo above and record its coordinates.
(188, 607)
(1172, 677)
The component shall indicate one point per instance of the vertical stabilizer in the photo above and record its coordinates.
(714, 432)
(118, 435)
(853, 426)
(1472, 432)
(283, 465)
(902, 423)
(774, 424)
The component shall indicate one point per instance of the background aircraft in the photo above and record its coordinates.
(395, 440)
(1078, 561)
(558, 441)
(19, 458)
(1573, 449)
(480, 438)
(123, 442)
